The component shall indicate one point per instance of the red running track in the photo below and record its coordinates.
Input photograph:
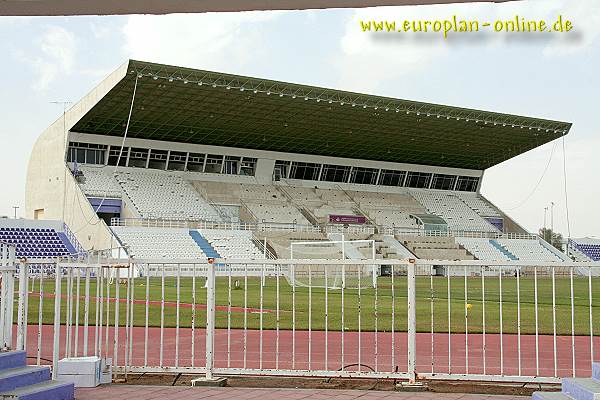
(284, 358)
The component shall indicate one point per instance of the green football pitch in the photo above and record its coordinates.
(374, 308)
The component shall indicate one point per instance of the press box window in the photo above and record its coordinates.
(281, 170)
(158, 159)
(86, 153)
(392, 178)
(418, 179)
(195, 162)
(248, 166)
(115, 155)
(365, 176)
(306, 171)
(467, 183)
(138, 158)
(443, 182)
(176, 161)
(214, 164)
(335, 173)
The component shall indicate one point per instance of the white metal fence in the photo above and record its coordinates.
(7, 272)
(469, 320)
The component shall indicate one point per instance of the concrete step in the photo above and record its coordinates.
(22, 376)
(581, 388)
(12, 359)
(596, 370)
(49, 390)
(550, 396)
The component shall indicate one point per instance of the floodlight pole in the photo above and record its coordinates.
(551, 220)
(15, 208)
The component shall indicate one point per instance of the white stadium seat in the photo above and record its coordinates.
(458, 215)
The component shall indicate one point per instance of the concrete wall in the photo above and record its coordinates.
(50, 185)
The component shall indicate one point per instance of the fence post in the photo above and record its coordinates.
(7, 294)
(412, 323)
(57, 294)
(3, 293)
(210, 318)
(22, 308)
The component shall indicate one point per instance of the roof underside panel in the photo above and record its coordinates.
(117, 7)
(192, 106)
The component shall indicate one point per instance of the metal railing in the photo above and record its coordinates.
(73, 239)
(491, 321)
(324, 228)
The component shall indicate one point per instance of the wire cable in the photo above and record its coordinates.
(89, 222)
(538, 182)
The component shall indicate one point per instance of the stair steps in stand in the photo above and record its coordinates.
(204, 245)
(582, 388)
(576, 388)
(503, 250)
(18, 381)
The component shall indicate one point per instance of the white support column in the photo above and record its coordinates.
(148, 159)
(187, 158)
(168, 159)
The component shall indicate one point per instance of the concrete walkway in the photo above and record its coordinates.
(135, 392)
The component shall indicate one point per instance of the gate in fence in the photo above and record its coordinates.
(509, 321)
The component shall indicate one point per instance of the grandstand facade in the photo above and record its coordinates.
(179, 163)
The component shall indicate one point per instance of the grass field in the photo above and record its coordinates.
(428, 297)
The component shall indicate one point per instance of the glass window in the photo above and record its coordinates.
(195, 162)
(214, 164)
(248, 166)
(231, 165)
(158, 159)
(281, 170)
(138, 158)
(366, 176)
(418, 179)
(444, 182)
(467, 183)
(306, 171)
(86, 153)
(335, 173)
(392, 178)
(115, 155)
(176, 161)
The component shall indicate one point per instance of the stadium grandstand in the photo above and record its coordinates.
(39, 239)
(173, 162)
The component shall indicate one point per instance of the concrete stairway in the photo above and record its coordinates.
(437, 248)
(18, 381)
(576, 388)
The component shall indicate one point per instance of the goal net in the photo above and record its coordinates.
(329, 272)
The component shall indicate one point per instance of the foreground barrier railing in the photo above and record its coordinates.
(7, 281)
(427, 319)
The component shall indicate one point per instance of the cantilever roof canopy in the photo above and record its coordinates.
(115, 7)
(194, 106)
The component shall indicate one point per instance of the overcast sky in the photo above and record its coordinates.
(546, 75)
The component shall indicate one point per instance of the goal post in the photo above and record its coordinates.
(335, 275)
